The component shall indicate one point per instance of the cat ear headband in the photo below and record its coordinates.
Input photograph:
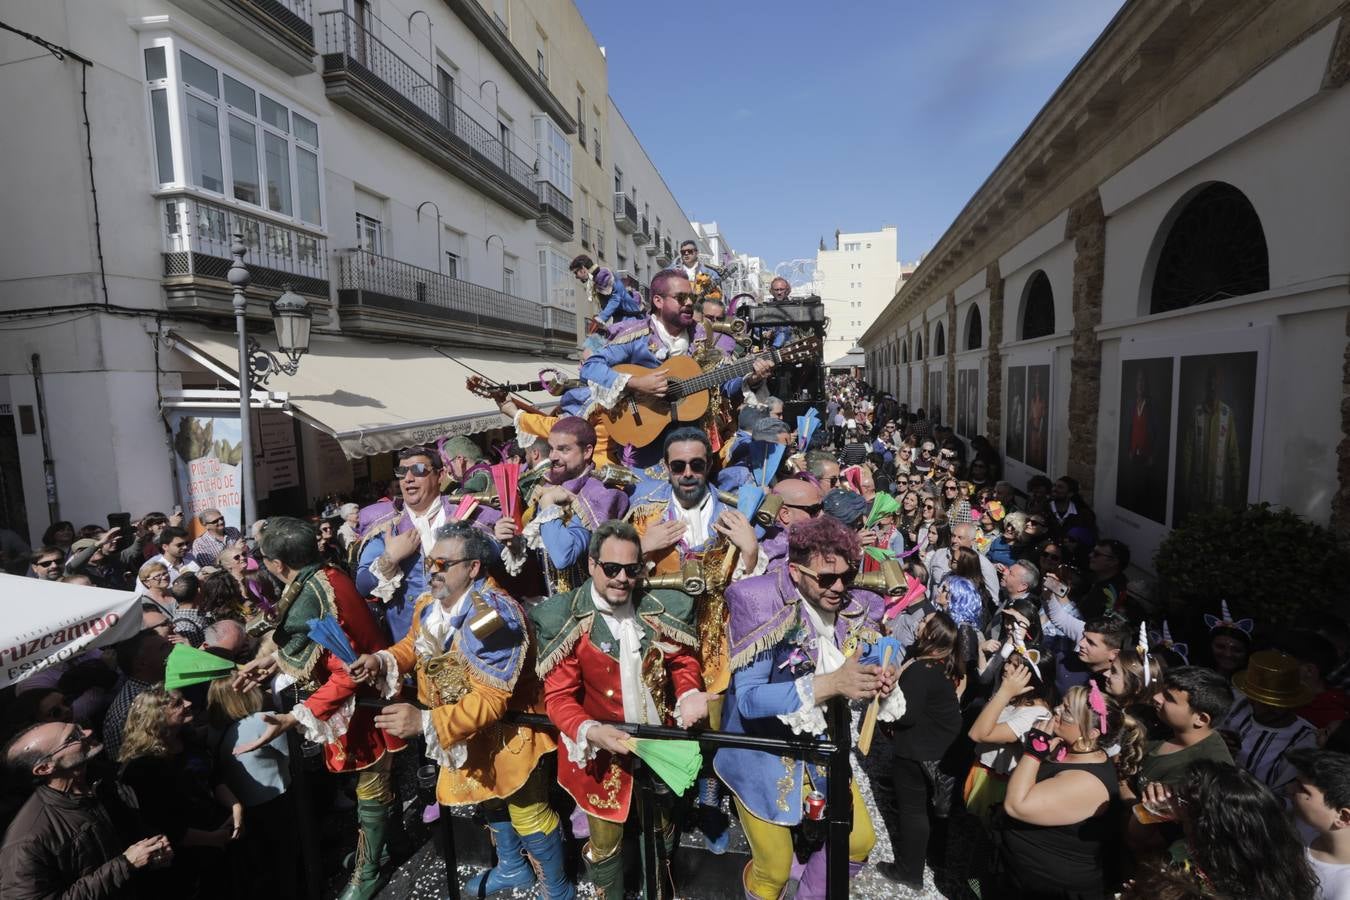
(1247, 626)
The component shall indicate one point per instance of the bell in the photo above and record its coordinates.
(617, 476)
(486, 497)
(734, 327)
(688, 579)
(485, 620)
(888, 580)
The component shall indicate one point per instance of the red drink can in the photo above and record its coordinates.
(815, 806)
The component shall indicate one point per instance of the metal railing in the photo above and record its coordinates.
(554, 199)
(198, 233)
(643, 234)
(374, 280)
(585, 234)
(349, 45)
(625, 212)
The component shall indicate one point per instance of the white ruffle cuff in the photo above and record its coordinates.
(606, 397)
(893, 707)
(512, 561)
(531, 533)
(807, 718)
(388, 582)
(393, 682)
(580, 751)
(324, 731)
(453, 757)
(679, 708)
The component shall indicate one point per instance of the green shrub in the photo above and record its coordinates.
(1267, 563)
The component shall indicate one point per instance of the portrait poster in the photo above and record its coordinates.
(1038, 418)
(1145, 437)
(962, 414)
(1016, 406)
(1216, 400)
(973, 404)
(935, 397)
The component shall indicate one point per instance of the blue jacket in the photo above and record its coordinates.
(620, 303)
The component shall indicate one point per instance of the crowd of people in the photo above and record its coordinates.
(1041, 723)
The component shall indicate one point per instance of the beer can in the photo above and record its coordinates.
(815, 806)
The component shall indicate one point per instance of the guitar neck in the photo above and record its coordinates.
(716, 377)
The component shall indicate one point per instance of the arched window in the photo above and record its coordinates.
(918, 347)
(1038, 307)
(904, 352)
(1215, 249)
(939, 341)
(974, 328)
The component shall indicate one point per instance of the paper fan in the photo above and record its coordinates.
(187, 666)
(506, 478)
(765, 458)
(749, 499)
(882, 505)
(677, 763)
(327, 633)
(465, 508)
(880, 554)
(806, 428)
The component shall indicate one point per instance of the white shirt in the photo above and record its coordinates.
(1334, 878)
(427, 523)
(689, 273)
(174, 571)
(622, 622)
(675, 345)
(699, 520)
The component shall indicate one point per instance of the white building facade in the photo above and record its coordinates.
(856, 279)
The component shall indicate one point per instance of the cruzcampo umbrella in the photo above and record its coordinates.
(882, 505)
(188, 666)
(328, 634)
(677, 763)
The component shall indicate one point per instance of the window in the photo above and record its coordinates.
(618, 180)
(939, 340)
(600, 241)
(555, 154)
(595, 136)
(508, 280)
(541, 64)
(974, 329)
(557, 287)
(445, 89)
(501, 15)
(1038, 307)
(236, 140)
(452, 264)
(504, 135)
(581, 118)
(1215, 249)
(369, 236)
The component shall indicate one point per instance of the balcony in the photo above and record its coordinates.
(655, 246)
(625, 213)
(555, 211)
(279, 31)
(585, 235)
(197, 236)
(643, 234)
(663, 257)
(363, 75)
(382, 296)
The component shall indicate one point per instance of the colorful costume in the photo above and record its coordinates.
(468, 683)
(560, 535)
(602, 663)
(330, 716)
(779, 643)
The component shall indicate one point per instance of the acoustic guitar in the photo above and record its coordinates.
(640, 420)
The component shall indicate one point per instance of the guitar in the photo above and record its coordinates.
(550, 380)
(640, 420)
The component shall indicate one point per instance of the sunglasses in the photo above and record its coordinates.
(812, 510)
(828, 579)
(687, 250)
(47, 564)
(930, 506)
(441, 564)
(1051, 556)
(220, 521)
(682, 297)
(697, 466)
(612, 569)
(418, 470)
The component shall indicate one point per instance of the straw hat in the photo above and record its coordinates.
(1272, 678)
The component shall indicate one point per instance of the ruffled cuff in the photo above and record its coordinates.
(607, 397)
(761, 566)
(388, 583)
(453, 758)
(531, 533)
(324, 731)
(520, 430)
(893, 707)
(511, 560)
(580, 751)
(807, 718)
(679, 709)
(393, 681)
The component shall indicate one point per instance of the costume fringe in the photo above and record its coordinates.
(668, 628)
(563, 646)
(764, 642)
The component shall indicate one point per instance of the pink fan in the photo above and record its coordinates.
(506, 477)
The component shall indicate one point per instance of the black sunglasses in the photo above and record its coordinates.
(219, 521)
(440, 564)
(825, 579)
(419, 470)
(612, 569)
(697, 466)
(682, 297)
(812, 510)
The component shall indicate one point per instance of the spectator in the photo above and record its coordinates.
(141, 660)
(347, 532)
(1263, 725)
(854, 452)
(223, 597)
(1316, 659)
(47, 563)
(1190, 701)
(154, 580)
(1019, 704)
(1107, 562)
(261, 781)
(98, 560)
(1058, 800)
(143, 545)
(214, 538)
(1000, 552)
(1321, 801)
(60, 534)
(1133, 689)
(1068, 506)
(198, 818)
(330, 551)
(932, 680)
(173, 552)
(14, 552)
(33, 707)
(1017, 580)
(227, 639)
(65, 841)
(188, 618)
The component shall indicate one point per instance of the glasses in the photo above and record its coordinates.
(682, 297)
(950, 487)
(1048, 555)
(930, 506)
(829, 579)
(47, 563)
(812, 510)
(212, 523)
(76, 738)
(441, 564)
(697, 466)
(612, 569)
(915, 482)
(418, 470)
(162, 576)
(687, 250)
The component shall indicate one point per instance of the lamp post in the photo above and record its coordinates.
(239, 278)
(291, 319)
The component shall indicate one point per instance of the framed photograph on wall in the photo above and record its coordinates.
(1016, 406)
(1216, 405)
(1037, 428)
(936, 394)
(1144, 437)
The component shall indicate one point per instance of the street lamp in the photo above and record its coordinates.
(291, 318)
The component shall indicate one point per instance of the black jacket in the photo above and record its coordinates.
(66, 846)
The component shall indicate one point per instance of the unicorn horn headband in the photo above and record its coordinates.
(1247, 626)
(1142, 647)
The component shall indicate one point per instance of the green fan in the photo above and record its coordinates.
(188, 666)
(677, 763)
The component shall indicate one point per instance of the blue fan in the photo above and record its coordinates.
(748, 500)
(765, 458)
(806, 427)
(328, 634)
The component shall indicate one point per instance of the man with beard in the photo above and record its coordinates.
(471, 653)
(669, 331)
(799, 637)
(564, 512)
(68, 838)
(391, 560)
(610, 651)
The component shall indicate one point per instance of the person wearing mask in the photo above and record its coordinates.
(70, 838)
(932, 680)
(1059, 797)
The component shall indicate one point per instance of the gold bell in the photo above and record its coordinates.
(687, 579)
(889, 579)
(617, 476)
(485, 620)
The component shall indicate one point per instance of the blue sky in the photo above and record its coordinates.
(785, 120)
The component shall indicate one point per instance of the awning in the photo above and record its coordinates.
(375, 397)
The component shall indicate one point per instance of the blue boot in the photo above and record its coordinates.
(546, 853)
(712, 821)
(512, 869)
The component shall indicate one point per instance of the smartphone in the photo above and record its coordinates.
(178, 509)
(122, 520)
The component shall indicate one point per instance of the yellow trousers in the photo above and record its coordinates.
(527, 808)
(374, 782)
(771, 847)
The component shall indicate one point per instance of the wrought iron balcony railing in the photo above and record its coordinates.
(197, 238)
(625, 213)
(555, 211)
